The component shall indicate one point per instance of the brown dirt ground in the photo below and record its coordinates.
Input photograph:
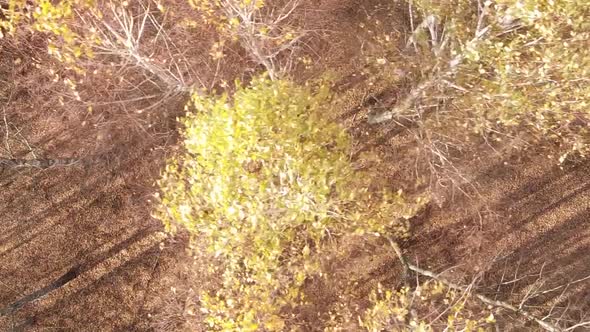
(87, 232)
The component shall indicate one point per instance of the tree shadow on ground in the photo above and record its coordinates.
(535, 247)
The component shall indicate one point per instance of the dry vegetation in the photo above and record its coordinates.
(294, 165)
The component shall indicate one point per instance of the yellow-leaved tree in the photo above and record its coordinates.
(512, 70)
(263, 179)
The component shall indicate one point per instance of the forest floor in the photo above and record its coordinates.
(79, 250)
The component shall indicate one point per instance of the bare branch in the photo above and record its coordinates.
(486, 300)
(123, 38)
(430, 24)
(571, 328)
(263, 48)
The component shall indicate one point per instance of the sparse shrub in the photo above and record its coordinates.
(84, 35)
(264, 29)
(512, 72)
(431, 306)
(263, 179)
(513, 68)
(56, 20)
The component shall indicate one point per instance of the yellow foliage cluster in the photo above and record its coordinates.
(263, 180)
(224, 14)
(262, 30)
(12, 16)
(54, 19)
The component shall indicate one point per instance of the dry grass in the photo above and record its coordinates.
(522, 227)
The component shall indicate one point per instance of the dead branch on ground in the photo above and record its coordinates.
(484, 299)
(37, 163)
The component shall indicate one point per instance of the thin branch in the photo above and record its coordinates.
(559, 287)
(571, 328)
(123, 39)
(37, 163)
